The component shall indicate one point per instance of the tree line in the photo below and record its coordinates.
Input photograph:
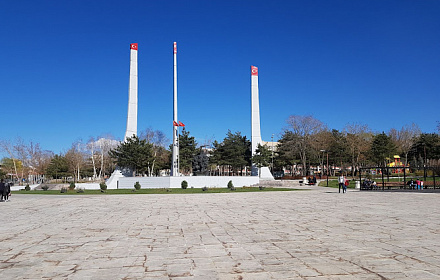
(306, 142)
(309, 142)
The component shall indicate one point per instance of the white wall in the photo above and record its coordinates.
(193, 181)
(88, 186)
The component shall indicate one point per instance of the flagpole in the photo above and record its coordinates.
(175, 159)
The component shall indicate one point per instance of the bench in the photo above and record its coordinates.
(402, 185)
(392, 185)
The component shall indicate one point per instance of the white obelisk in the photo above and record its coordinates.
(132, 93)
(255, 125)
(175, 159)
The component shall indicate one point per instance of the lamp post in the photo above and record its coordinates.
(272, 153)
(326, 170)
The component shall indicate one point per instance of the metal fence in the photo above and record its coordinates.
(386, 178)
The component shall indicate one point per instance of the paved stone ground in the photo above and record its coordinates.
(316, 234)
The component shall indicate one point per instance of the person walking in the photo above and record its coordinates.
(2, 190)
(417, 184)
(341, 181)
(344, 188)
(7, 192)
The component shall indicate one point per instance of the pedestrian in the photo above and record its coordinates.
(417, 184)
(314, 179)
(344, 188)
(2, 189)
(341, 181)
(410, 184)
(421, 184)
(7, 192)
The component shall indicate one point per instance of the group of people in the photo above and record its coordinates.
(368, 184)
(417, 185)
(312, 180)
(5, 191)
(343, 183)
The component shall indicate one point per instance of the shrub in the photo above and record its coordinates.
(137, 186)
(184, 184)
(261, 188)
(103, 186)
(45, 187)
(230, 185)
(232, 188)
(27, 188)
(80, 190)
(204, 189)
(72, 186)
(63, 190)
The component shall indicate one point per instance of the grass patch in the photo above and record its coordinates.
(156, 191)
(335, 184)
(331, 183)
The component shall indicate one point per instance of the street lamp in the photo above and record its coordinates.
(326, 170)
(272, 153)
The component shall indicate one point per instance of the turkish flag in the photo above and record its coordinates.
(134, 46)
(181, 124)
(175, 124)
(175, 47)
(254, 71)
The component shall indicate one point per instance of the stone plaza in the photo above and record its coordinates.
(309, 234)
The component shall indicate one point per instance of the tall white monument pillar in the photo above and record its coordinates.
(175, 159)
(132, 93)
(255, 125)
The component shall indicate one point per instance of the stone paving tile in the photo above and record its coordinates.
(316, 234)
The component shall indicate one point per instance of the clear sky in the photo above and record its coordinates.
(65, 65)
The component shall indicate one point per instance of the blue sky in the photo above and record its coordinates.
(65, 65)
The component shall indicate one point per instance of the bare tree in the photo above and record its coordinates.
(9, 149)
(321, 143)
(104, 144)
(76, 159)
(405, 138)
(159, 141)
(21, 152)
(156, 137)
(304, 128)
(38, 160)
(359, 139)
(91, 147)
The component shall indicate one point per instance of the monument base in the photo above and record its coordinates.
(193, 181)
(265, 173)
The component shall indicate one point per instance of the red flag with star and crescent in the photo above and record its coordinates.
(181, 124)
(134, 46)
(254, 71)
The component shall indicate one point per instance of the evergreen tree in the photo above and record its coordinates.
(382, 148)
(200, 163)
(134, 154)
(287, 154)
(262, 156)
(425, 149)
(234, 151)
(187, 151)
(338, 150)
(58, 167)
